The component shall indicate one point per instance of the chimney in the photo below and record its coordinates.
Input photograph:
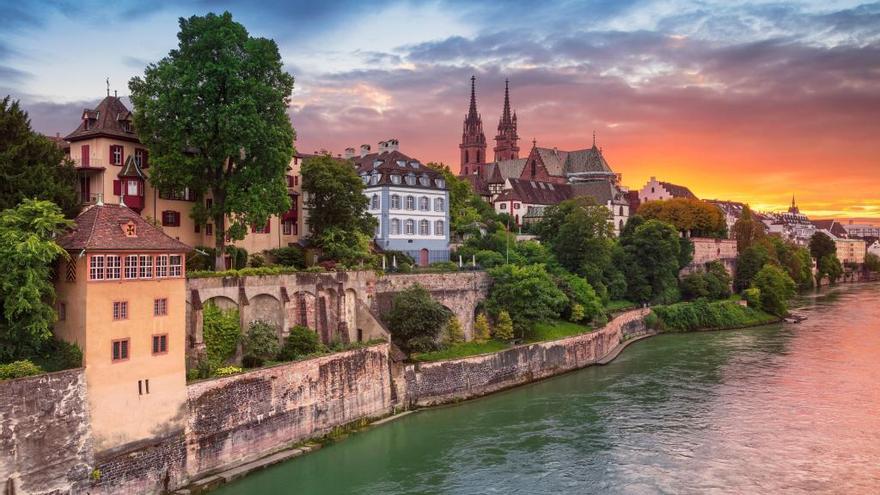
(99, 199)
(349, 153)
(365, 150)
(383, 147)
(392, 144)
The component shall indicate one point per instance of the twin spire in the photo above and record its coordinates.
(473, 140)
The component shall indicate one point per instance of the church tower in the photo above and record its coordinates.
(505, 141)
(473, 141)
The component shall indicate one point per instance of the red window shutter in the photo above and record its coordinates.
(253, 229)
(122, 155)
(112, 149)
(117, 187)
(140, 188)
(86, 156)
(177, 219)
(268, 223)
(146, 160)
(165, 219)
(198, 228)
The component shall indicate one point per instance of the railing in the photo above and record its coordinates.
(93, 162)
(90, 200)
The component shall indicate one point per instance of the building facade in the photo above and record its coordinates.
(410, 202)
(120, 298)
(113, 166)
(656, 190)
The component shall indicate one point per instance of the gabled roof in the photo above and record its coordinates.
(478, 185)
(131, 169)
(100, 228)
(535, 192)
(833, 226)
(584, 161)
(553, 160)
(602, 191)
(678, 191)
(394, 162)
(106, 119)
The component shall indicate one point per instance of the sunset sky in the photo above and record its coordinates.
(746, 101)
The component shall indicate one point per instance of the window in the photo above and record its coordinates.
(395, 226)
(120, 350)
(116, 154)
(395, 179)
(131, 266)
(96, 267)
(534, 169)
(120, 310)
(503, 206)
(62, 311)
(374, 203)
(410, 203)
(409, 227)
(395, 202)
(516, 206)
(113, 266)
(209, 229)
(424, 180)
(170, 218)
(287, 227)
(423, 203)
(162, 266)
(263, 229)
(146, 266)
(289, 181)
(438, 204)
(378, 232)
(440, 183)
(411, 180)
(175, 265)
(186, 194)
(160, 307)
(621, 211)
(85, 156)
(141, 157)
(160, 344)
(438, 228)
(424, 227)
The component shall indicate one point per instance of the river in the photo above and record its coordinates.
(773, 409)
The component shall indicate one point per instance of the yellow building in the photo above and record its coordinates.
(113, 165)
(850, 250)
(121, 298)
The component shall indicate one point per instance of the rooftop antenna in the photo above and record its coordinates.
(594, 138)
(108, 85)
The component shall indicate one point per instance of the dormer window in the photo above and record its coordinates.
(395, 179)
(411, 180)
(440, 183)
(401, 163)
(424, 180)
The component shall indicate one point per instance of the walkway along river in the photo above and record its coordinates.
(773, 409)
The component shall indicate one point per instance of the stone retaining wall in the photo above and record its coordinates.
(442, 382)
(45, 437)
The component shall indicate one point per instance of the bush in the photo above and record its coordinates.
(504, 326)
(261, 343)
(59, 355)
(238, 255)
(201, 258)
(694, 286)
(481, 328)
(416, 320)
(301, 342)
(527, 293)
(18, 369)
(227, 371)
(776, 289)
(683, 317)
(454, 333)
(752, 296)
(257, 261)
(221, 333)
(489, 259)
(290, 256)
(652, 321)
(577, 313)
(444, 266)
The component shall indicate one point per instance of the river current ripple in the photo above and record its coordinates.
(774, 409)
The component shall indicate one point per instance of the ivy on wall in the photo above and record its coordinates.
(221, 333)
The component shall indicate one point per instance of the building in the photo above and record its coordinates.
(861, 230)
(410, 201)
(874, 248)
(851, 251)
(120, 298)
(656, 190)
(113, 166)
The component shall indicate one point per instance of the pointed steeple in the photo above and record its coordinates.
(505, 142)
(473, 141)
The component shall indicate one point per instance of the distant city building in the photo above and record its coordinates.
(119, 296)
(862, 230)
(848, 250)
(410, 201)
(874, 248)
(656, 190)
(791, 225)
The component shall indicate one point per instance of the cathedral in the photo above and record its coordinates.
(523, 187)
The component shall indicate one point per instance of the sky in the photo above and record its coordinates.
(747, 101)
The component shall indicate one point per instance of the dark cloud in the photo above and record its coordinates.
(12, 75)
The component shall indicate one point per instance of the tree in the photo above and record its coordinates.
(582, 299)
(821, 245)
(416, 320)
(776, 289)
(465, 208)
(717, 280)
(214, 115)
(689, 216)
(504, 326)
(527, 293)
(481, 328)
(32, 167)
(27, 255)
(339, 219)
(795, 260)
(652, 258)
(261, 343)
(747, 230)
(829, 266)
(748, 263)
(454, 332)
(301, 342)
(694, 286)
(872, 262)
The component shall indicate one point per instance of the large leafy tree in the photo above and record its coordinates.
(776, 289)
(31, 166)
(747, 230)
(748, 263)
(691, 217)
(821, 245)
(416, 320)
(338, 220)
(27, 253)
(652, 262)
(213, 113)
(527, 293)
(466, 209)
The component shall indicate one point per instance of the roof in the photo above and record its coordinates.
(832, 226)
(553, 160)
(535, 192)
(586, 161)
(602, 191)
(132, 169)
(100, 228)
(678, 191)
(478, 185)
(632, 197)
(388, 163)
(105, 120)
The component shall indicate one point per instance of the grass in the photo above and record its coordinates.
(621, 305)
(461, 350)
(553, 330)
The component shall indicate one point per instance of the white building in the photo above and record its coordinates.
(656, 190)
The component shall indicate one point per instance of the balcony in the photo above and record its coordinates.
(88, 199)
(95, 163)
(136, 203)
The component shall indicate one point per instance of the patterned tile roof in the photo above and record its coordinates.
(678, 191)
(102, 228)
(535, 192)
(109, 118)
(394, 162)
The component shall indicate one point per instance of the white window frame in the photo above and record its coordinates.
(145, 266)
(424, 203)
(424, 227)
(113, 264)
(395, 226)
(410, 202)
(439, 204)
(409, 227)
(161, 266)
(395, 201)
(439, 227)
(175, 265)
(131, 269)
(96, 267)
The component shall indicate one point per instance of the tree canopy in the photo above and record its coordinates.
(32, 166)
(747, 230)
(652, 262)
(821, 245)
(27, 254)
(527, 293)
(689, 216)
(776, 289)
(465, 208)
(214, 115)
(416, 320)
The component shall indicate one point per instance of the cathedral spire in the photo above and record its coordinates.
(473, 141)
(472, 111)
(505, 142)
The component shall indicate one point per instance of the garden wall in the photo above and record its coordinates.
(45, 437)
(243, 417)
(442, 382)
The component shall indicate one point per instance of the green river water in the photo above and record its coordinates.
(774, 409)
